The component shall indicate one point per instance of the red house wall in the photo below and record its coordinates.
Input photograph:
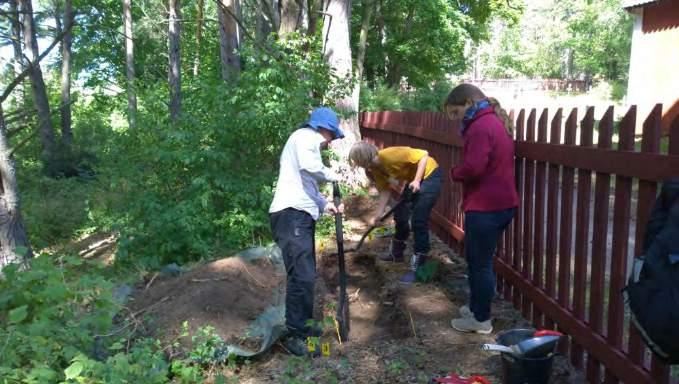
(661, 16)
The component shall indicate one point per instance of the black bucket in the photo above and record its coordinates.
(523, 370)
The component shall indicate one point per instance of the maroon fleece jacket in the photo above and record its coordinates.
(487, 169)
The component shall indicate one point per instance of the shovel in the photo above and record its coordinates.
(534, 347)
(343, 302)
(405, 197)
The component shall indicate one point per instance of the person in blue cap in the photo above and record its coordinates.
(296, 206)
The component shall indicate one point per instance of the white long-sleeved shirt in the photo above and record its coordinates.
(301, 169)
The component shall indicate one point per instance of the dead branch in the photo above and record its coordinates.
(155, 275)
(135, 314)
(208, 280)
(31, 65)
(412, 324)
(22, 143)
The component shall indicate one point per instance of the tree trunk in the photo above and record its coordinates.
(37, 83)
(14, 248)
(65, 108)
(199, 34)
(174, 73)
(263, 22)
(314, 7)
(338, 54)
(363, 38)
(271, 14)
(129, 64)
(381, 38)
(394, 67)
(18, 63)
(290, 17)
(229, 39)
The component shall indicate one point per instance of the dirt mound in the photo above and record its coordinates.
(227, 294)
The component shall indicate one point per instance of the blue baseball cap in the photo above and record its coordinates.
(324, 117)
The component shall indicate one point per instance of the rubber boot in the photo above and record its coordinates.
(396, 250)
(417, 260)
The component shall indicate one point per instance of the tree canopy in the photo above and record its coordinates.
(573, 39)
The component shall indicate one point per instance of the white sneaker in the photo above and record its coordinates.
(465, 311)
(466, 324)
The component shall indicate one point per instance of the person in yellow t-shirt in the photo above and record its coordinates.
(395, 167)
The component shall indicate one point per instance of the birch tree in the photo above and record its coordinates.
(129, 63)
(40, 100)
(14, 247)
(200, 8)
(291, 12)
(16, 40)
(229, 40)
(66, 42)
(174, 72)
(337, 52)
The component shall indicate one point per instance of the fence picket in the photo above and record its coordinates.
(529, 195)
(520, 169)
(552, 225)
(582, 234)
(599, 236)
(566, 225)
(539, 218)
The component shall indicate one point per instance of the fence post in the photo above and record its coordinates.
(526, 304)
(582, 233)
(519, 174)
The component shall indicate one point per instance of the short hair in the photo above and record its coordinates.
(362, 154)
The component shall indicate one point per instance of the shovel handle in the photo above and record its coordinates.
(336, 194)
(498, 348)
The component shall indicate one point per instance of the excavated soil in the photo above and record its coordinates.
(226, 294)
(398, 334)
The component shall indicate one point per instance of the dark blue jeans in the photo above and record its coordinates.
(294, 231)
(482, 231)
(418, 212)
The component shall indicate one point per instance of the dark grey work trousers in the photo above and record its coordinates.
(294, 231)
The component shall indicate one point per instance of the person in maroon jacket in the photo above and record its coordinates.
(489, 194)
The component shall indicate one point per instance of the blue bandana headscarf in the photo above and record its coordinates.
(471, 112)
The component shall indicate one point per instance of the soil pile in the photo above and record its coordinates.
(227, 294)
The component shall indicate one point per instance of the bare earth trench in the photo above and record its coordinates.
(398, 334)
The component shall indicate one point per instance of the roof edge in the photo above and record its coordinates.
(630, 4)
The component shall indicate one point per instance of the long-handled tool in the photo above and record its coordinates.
(343, 302)
(406, 196)
(538, 346)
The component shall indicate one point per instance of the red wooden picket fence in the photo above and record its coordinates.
(584, 206)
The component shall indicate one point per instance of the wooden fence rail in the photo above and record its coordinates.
(566, 256)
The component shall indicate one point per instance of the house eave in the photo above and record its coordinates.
(632, 4)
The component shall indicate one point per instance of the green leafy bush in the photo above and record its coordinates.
(428, 98)
(381, 98)
(48, 317)
(204, 184)
(385, 98)
(54, 209)
(57, 326)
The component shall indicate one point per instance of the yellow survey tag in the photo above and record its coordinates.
(325, 349)
(310, 344)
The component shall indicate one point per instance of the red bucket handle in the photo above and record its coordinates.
(547, 332)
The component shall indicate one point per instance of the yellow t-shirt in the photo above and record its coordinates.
(400, 163)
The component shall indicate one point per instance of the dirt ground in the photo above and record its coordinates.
(398, 334)
(226, 294)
